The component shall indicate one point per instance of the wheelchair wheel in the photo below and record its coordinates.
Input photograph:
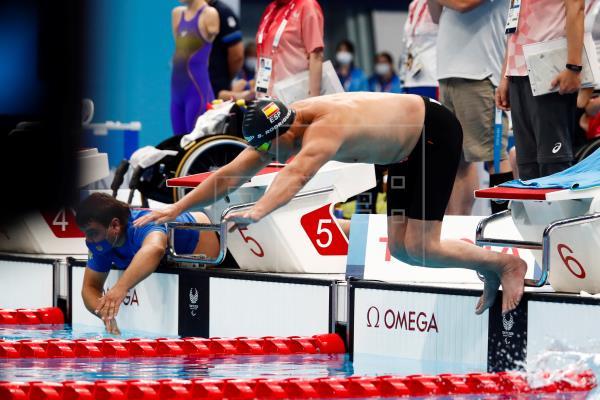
(208, 154)
(588, 149)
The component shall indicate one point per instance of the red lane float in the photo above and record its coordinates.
(166, 347)
(499, 384)
(31, 316)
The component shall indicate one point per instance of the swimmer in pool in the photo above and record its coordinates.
(113, 240)
(420, 141)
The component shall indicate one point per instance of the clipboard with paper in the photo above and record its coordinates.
(295, 87)
(547, 59)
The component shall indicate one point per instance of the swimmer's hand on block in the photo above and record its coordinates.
(161, 216)
(242, 219)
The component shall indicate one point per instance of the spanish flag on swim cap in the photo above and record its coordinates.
(265, 119)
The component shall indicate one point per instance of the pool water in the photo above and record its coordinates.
(305, 366)
(12, 332)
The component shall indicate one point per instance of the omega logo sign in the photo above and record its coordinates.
(401, 320)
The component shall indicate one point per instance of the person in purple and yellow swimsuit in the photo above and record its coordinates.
(195, 25)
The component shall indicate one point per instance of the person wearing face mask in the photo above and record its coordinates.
(112, 240)
(289, 41)
(249, 68)
(385, 79)
(352, 78)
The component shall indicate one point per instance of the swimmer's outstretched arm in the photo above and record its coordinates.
(91, 293)
(143, 264)
(224, 181)
(289, 181)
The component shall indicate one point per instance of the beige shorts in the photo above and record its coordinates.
(473, 103)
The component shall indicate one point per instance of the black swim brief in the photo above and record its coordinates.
(420, 186)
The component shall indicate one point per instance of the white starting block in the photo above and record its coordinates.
(560, 226)
(301, 237)
(55, 231)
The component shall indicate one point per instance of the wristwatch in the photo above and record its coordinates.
(574, 67)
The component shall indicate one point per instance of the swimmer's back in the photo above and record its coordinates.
(364, 108)
(389, 123)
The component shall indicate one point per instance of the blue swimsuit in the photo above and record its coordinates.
(191, 89)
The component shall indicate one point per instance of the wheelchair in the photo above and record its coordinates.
(205, 154)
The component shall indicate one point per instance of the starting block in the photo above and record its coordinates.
(55, 231)
(560, 226)
(301, 237)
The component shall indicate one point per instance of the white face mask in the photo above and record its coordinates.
(344, 57)
(382, 69)
(250, 63)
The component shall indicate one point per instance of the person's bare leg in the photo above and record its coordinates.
(512, 157)
(423, 245)
(208, 243)
(466, 182)
(396, 226)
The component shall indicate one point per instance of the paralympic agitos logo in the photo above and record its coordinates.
(407, 320)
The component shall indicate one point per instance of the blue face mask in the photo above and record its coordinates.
(101, 247)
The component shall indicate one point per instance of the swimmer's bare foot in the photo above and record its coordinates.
(490, 290)
(512, 278)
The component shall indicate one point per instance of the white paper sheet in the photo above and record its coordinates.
(545, 60)
(295, 87)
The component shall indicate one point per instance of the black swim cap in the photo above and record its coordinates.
(265, 119)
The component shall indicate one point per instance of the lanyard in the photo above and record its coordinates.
(419, 16)
(281, 28)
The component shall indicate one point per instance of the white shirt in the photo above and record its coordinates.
(471, 45)
(419, 41)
